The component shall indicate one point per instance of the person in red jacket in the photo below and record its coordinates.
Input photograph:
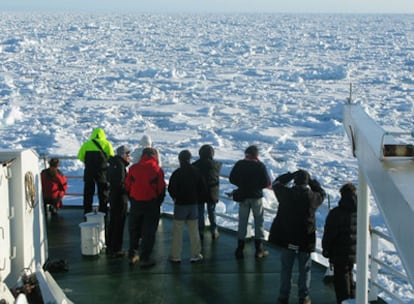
(146, 187)
(54, 186)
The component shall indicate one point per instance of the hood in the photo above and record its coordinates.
(146, 141)
(98, 133)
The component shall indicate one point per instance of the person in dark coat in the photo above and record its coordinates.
(250, 176)
(95, 154)
(54, 186)
(339, 242)
(210, 170)
(118, 200)
(294, 229)
(186, 187)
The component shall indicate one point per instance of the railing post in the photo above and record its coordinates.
(373, 291)
(362, 240)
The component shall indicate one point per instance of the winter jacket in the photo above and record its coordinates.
(210, 170)
(294, 226)
(117, 173)
(250, 176)
(145, 181)
(54, 185)
(339, 238)
(186, 185)
(95, 159)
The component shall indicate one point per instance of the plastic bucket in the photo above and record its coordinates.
(90, 238)
(98, 218)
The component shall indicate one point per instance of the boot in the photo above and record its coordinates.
(260, 252)
(239, 251)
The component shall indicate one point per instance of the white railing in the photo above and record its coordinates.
(376, 264)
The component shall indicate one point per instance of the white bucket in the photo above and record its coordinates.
(90, 238)
(99, 218)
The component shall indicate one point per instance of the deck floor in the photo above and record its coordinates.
(219, 278)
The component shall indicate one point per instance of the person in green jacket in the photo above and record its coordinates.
(95, 153)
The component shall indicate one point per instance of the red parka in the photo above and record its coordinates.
(54, 186)
(145, 180)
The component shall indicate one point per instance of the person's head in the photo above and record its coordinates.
(206, 151)
(302, 177)
(150, 152)
(348, 189)
(54, 162)
(252, 151)
(123, 152)
(184, 157)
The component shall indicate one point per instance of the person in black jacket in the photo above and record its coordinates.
(118, 200)
(339, 242)
(186, 187)
(210, 170)
(294, 229)
(250, 176)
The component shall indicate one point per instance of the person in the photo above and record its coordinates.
(146, 188)
(54, 186)
(118, 200)
(186, 187)
(210, 170)
(95, 154)
(294, 227)
(250, 176)
(145, 142)
(339, 242)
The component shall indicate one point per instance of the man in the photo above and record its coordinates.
(95, 154)
(146, 187)
(250, 176)
(339, 242)
(210, 170)
(118, 200)
(186, 188)
(294, 229)
(54, 186)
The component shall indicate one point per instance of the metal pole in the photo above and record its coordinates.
(362, 240)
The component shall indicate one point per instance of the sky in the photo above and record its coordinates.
(217, 6)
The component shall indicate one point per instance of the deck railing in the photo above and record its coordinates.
(377, 265)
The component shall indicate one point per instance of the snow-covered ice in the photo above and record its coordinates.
(275, 80)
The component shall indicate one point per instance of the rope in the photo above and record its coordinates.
(30, 189)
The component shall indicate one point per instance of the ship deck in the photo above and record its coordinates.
(219, 278)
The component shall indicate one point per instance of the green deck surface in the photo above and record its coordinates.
(219, 278)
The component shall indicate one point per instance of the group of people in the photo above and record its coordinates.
(195, 185)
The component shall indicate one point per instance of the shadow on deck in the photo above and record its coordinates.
(220, 278)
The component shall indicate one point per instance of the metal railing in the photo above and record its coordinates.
(376, 264)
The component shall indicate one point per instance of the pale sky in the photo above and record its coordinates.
(227, 6)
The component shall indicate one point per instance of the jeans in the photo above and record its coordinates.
(256, 205)
(211, 212)
(287, 261)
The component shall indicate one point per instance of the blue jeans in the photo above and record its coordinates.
(211, 212)
(256, 205)
(287, 261)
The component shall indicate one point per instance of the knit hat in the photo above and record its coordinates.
(184, 156)
(145, 141)
(302, 177)
(122, 151)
